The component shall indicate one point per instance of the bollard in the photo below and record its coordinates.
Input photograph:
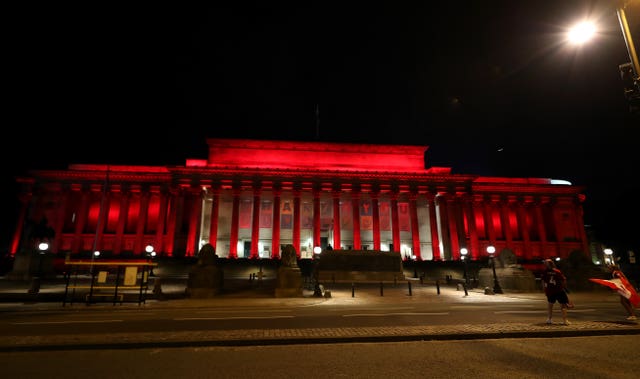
(438, 286)
(409, 283)
(381, 291)
(157, 288)
(353, 290)
(464, 285)
(34, 288)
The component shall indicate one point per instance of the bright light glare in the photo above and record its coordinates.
(582, 32)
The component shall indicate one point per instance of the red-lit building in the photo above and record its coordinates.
(251, 197)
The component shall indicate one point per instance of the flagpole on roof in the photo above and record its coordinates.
(317, 121)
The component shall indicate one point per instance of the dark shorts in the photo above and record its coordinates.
(560, 297)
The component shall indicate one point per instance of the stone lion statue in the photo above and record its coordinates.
(207, 255)
(289, 257)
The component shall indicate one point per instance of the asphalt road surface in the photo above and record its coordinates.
(606, 357)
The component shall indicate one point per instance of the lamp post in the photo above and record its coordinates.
(42, 247)
(496, 286)
(35, 281)
(626, 33)
(608, 256)
(463, 255)
(318, 291)
(150, 255)
(630, 71)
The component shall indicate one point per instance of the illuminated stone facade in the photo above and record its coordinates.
(251, 197)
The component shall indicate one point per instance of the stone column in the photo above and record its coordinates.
(122, 220)
(175, 199)
(142, 221)
(473, 231)
(215, 207)
(316, 216)
(540, 222)
(81, 219)
(433, 225)
(488, 221)
(336, 217)
(524, 227)
(376, 218)
(195, 216)
(275, 235)
(443, 206)
(105, 203)
(255, 222)
(235, 218)
(506, 225)
(58, 225)
(25, 199)
(296, 219)
(355, 207)
(395, 223)
(452, 211)
(580, 225)
(415, 230)
(159, 244)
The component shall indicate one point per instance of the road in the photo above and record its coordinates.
(215, 337)
(606, 357)
(366, 310)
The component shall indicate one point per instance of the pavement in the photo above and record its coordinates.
(15, 297)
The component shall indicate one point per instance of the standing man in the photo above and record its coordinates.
(554, 284)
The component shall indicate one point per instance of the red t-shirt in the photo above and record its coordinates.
(553, 281)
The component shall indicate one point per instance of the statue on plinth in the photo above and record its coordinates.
(289, 276)
(206, 278)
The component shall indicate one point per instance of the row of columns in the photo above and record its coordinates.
(277, 192)
(455, 213)
(106, 198)
(452, 213)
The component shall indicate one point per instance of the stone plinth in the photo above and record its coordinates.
(204, 282)
(206, 278)
(359, 265)
(289, 282)
(289, 276)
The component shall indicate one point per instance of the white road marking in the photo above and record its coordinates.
(396, 314)
(65, 322)
(230, 318)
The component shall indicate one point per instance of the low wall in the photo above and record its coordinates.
(359, 266)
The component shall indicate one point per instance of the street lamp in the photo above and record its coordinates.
(35, 281)
(630, 71)
(633, 56)
(608, 256)
(318, 291)
(496, 286)
(42, 247)
(150, 255)
(463, 254)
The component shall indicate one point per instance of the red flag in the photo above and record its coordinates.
(622, 286)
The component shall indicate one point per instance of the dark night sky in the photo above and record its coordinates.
(489, 85)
